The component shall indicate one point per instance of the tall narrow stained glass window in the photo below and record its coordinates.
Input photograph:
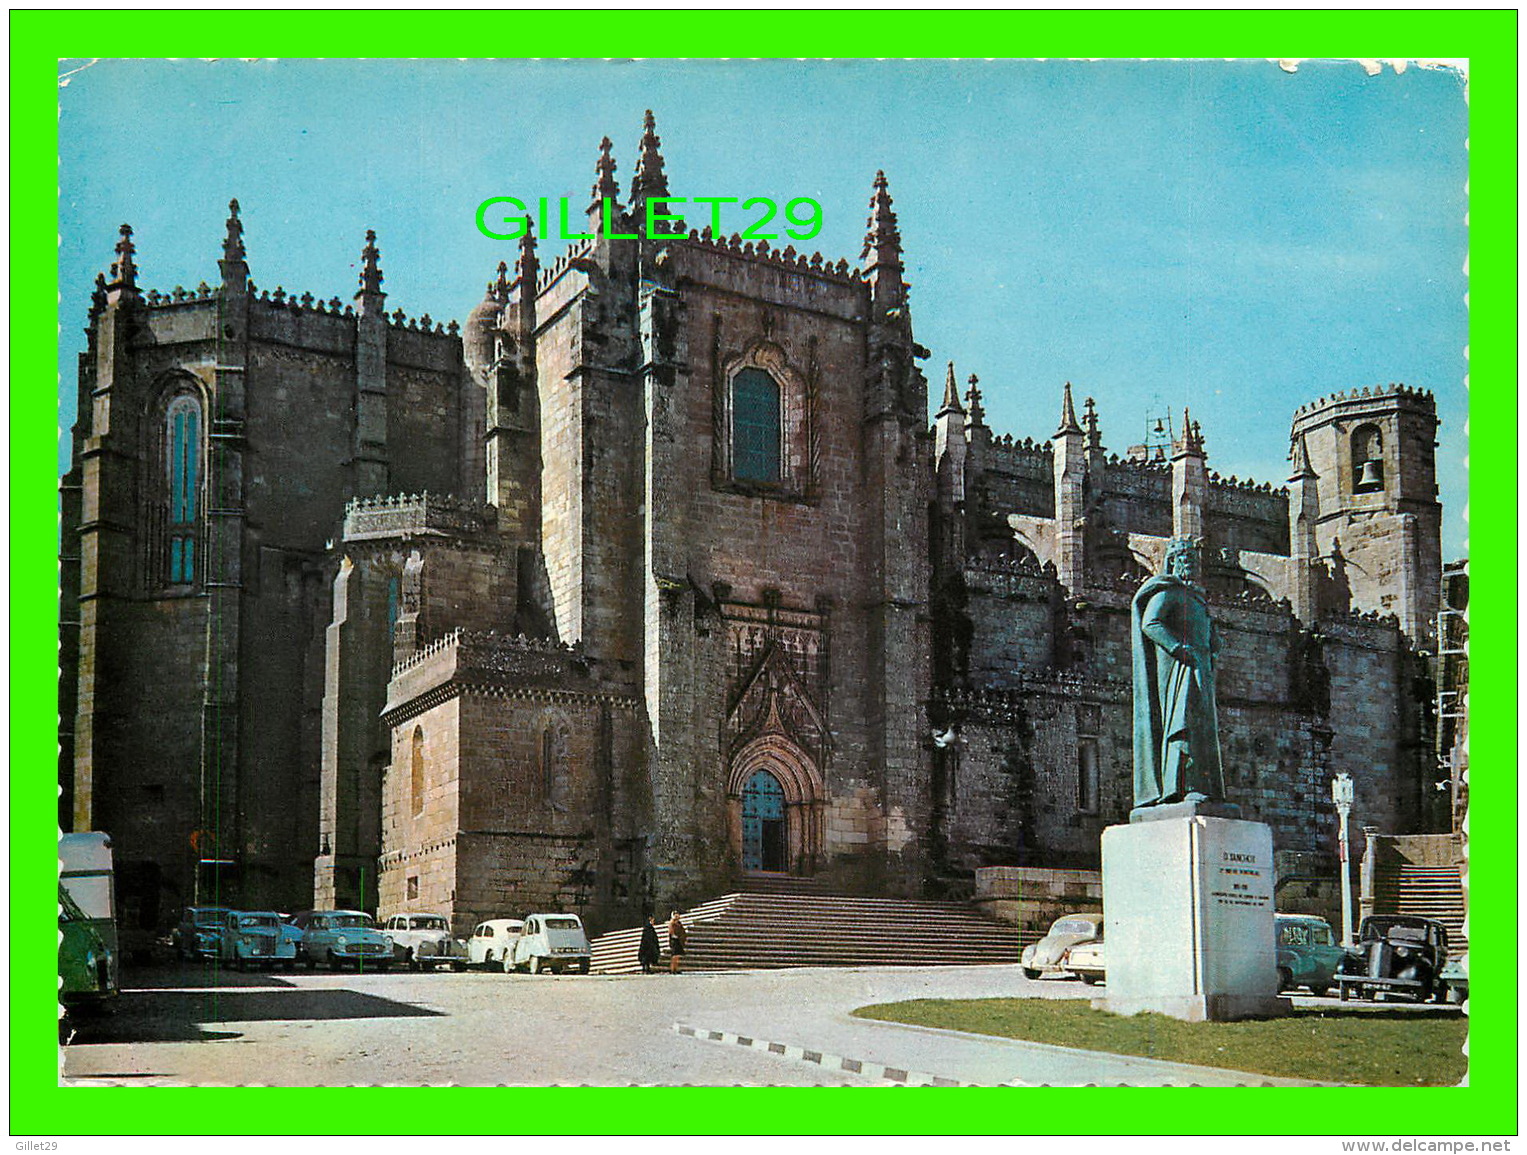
(755, 426)
(183, 433)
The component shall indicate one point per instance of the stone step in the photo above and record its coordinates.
(776, 929)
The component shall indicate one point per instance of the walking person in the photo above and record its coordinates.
(650, 952)
(678, 938)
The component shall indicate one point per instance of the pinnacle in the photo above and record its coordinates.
(371, 267)
(951, 394)
(605, 184)
(1068, 422)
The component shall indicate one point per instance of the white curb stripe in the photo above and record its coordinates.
(827, 1061)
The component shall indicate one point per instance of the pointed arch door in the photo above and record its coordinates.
(763, 823)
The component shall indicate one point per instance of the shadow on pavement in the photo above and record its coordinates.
(149, 1016)
(197, 976)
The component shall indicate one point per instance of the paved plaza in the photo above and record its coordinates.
(192, 1024)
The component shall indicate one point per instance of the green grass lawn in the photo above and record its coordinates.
(1380, 1047)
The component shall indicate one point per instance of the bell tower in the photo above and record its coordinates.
(1373, 451)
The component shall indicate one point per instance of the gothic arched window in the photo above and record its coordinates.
(756, 424)
(182, 431)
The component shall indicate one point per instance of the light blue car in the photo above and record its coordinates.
(253, 938)
(343, 938)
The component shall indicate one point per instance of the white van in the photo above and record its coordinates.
(554, 942)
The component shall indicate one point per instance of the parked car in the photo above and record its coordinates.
(1308, 954)
(200, 932)
(553, 942)
(492, 943)
(253, 938)
(342, 937)
(1085, 961)
(423, 941)
(292, 933)
(1046, 955)
(1395, 953)
(1454, 979)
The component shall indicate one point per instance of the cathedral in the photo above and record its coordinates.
(656, 571)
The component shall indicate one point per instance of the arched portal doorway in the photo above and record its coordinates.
(763, 823)
(777, 807)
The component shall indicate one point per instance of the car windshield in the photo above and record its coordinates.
(561, 924)
(427, 923)
(1072, 926)
(207, 917)
(1294, 934)
(349, 920)
(261, 920)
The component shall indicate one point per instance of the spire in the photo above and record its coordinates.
(370, 292)
(973, 401)
(124, 273)
(1090, 424)
(234, 268)
(605, 184)
(649, 183)
(1068, 423)
(881, 255)
(951, 394)
(1192, 437)
(233, 243)
(498, 288)
(1299, 453)
(526, 266)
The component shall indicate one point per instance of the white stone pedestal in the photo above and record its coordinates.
(1188, 919)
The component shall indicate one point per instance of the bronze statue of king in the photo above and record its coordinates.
(1177, 757)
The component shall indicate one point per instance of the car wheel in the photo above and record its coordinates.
(1090, 980)
(507, 963)
(289, 965)
(1030, 973)
(333, 962)
(1320, 992)
(383, 967)
(413, 963)
(1285, 979)
(535, 965)
(583, 966)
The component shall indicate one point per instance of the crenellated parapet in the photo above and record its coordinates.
(786, 258)
(1025, 458)
(548, 275)
(416, 515)
(501, 665)
(1368, 393)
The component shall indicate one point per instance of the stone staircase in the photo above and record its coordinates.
(786, 923)
(1429, 891)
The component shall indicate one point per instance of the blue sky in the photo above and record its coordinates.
(1222, 235)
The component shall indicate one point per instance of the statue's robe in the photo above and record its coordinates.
(1176, 728)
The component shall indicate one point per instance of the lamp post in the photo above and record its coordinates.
(1341, 794)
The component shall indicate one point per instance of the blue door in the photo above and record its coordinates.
(763, 823)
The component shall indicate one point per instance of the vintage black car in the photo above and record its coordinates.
(1395, 953)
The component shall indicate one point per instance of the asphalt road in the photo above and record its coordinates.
(192, 1024)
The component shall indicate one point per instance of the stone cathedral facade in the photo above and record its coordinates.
(656, 572)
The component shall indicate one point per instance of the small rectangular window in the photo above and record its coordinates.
(413, 887)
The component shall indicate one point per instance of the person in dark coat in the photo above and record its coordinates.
(678, 938)
(650, 951)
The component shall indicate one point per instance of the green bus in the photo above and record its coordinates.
(87, 923)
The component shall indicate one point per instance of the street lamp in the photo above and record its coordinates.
(1341, 794)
